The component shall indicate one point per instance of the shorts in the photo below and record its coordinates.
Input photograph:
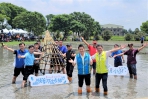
(18, 70)
(27, 71)
(132, 69)
(69, 69)
(116, 64)
(93, 65)
(36, 68)
(82, 77)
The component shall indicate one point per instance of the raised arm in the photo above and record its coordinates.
(38, 53)
(84, 41)
(9, 49)
(37, 58)
(21, 56)
(118, 55)
(115, 49)
(144, 45)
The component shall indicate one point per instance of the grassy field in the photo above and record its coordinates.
(15, 43)
(113, 40)
(117, 38)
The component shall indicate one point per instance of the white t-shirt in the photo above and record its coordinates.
(75, 60)
(108, 53)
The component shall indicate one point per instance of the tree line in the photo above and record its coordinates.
(76, 23)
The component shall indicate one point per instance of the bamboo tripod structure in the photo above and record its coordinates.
(52, 57)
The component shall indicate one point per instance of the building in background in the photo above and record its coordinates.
(116, 29)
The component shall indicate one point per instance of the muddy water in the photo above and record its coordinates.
(118, 87)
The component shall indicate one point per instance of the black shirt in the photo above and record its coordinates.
(40, 48)
(68, 55)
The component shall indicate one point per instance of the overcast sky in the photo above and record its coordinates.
(128, 13)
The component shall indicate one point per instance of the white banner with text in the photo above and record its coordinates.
(120, 70)
(48, 79)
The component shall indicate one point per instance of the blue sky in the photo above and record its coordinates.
(128, 13)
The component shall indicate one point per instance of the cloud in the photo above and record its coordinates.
(129, 13)
(80, 1)
(62, 2)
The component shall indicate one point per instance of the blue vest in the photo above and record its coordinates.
(19, 62)
(83, 69)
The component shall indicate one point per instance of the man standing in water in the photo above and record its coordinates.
(83, 62)
(70, 54)
(102, 66)
(92, 51)
(63, 49)
(36, 62)
(131, 59)
(142, 40)
(19, 63)
(29, 61)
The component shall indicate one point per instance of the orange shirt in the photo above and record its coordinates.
(92, 51)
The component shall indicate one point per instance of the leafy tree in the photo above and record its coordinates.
(124, 31)
(84, 20)
(49, 17)
(106, 35)
(11, 11)
(77, 27)
(57, 35)
(3, 18)
(128, 37)
(136, 31)
(4, 10)
(97, 30)
(144, 27)
(79, 23)
(130, 31)
(61, 23)
(138, 35)
(32, 21)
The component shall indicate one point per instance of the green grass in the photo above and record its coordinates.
(15, 43)
(114, 38)
(117, 38)
(146, 38)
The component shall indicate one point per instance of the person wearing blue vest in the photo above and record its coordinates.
(18, 63)
(83, 62)
(29, 62)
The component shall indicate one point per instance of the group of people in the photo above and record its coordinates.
(96, 59)
(26, 61)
